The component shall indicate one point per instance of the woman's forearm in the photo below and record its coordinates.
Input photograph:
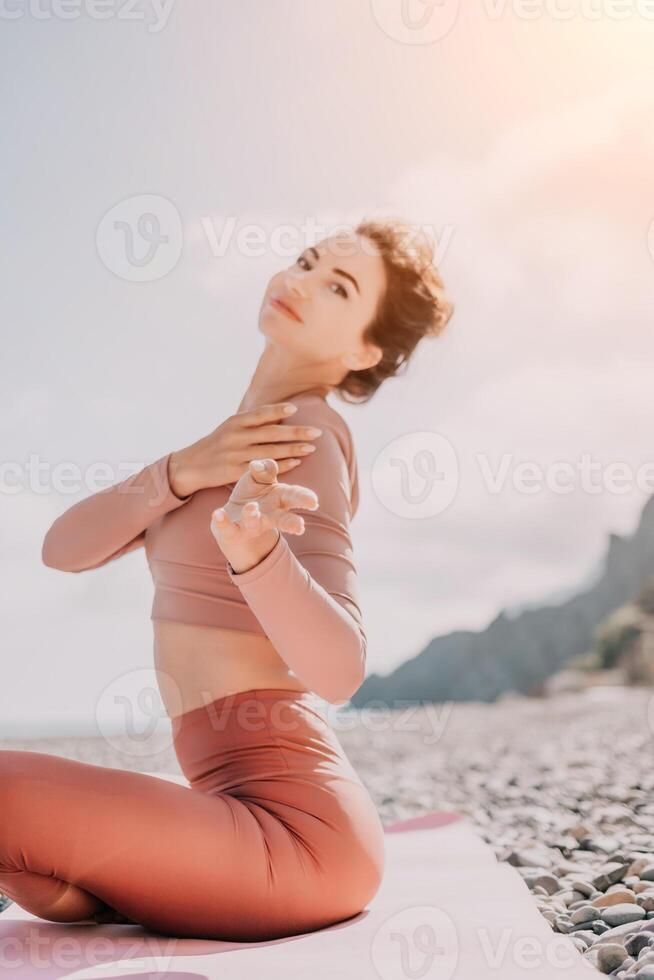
(317, 633)
(111, 522)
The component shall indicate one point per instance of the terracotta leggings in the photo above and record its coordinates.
(275, 834)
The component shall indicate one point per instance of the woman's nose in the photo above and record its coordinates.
(294, 285)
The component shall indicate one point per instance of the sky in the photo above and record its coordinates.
(520, 136)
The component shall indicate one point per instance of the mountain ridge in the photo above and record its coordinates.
(520, 652)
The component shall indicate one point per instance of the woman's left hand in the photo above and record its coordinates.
(259, 503)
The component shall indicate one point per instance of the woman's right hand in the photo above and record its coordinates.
(224, 455)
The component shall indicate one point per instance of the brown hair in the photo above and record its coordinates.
(414, 304)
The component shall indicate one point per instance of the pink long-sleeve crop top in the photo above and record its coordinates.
(303, 595)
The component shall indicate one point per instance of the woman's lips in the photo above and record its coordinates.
(280, 306)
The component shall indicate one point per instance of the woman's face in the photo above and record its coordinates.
(334, 288)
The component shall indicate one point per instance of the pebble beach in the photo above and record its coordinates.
(561, 788)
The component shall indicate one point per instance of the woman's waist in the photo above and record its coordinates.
(244, 723)
(181, 637)
(197, 665)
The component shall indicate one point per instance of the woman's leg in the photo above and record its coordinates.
(173, 859)
(50, 898)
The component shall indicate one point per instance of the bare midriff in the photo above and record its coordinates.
(198, 664)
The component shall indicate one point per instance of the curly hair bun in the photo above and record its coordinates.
(414, 305)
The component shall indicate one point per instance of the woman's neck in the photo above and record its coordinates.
(253, 397)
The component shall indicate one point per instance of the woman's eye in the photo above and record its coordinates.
(338, 285)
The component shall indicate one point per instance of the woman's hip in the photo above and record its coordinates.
(258, 733)
(273, 748)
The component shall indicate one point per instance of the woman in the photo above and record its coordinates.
(256, 616)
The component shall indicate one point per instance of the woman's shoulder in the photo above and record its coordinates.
(316, 410)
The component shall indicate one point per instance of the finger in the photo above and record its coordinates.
(221, 524)
(263, 470)
(285, 521)
(283, 433)
(295, 495)
(266, 413)
(284, 465)
(252, 518)
(278, 450)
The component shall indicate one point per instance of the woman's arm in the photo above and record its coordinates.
(305, 594)
(111, 522)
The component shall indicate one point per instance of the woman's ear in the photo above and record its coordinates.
(367, 358)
